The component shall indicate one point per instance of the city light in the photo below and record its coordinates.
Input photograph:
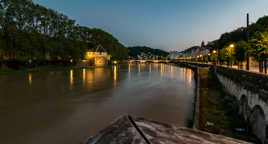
(214, 51)
(30, 79)
(115, 62)
(232, 45)
(90, 54)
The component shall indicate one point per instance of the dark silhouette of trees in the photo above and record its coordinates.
(30, 32)
(241, 51)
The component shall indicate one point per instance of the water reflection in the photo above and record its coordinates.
(99, 74)
(187, 75)
(129, 68)
(139, 68)
(171, 72)
(156, 67)
(90, 77)
(143, 66)
(50, 107)
(115, 74)
(162, 70)
(30, 81)
(71, 78)
(84, 77)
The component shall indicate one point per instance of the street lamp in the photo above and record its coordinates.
(231, 45)
(214, 51)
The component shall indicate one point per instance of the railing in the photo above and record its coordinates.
(254, 69)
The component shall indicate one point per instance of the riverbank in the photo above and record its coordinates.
(218, 110)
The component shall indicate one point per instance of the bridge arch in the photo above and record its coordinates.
(257, 123)
(244, 109)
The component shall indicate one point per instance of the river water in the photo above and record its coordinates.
(64, 107)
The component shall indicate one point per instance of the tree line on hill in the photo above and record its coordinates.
(136, 51)
(235, 47)
(29, 31)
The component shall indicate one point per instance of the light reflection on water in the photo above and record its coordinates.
(150, 68)
(30, 79)
(84, 76)
(115, 74)
(71, 78)
(77, 103)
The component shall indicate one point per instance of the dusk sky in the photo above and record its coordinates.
(165, 24)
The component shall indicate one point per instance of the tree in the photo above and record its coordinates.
(240, 52)
(259, 45)
(30, 31)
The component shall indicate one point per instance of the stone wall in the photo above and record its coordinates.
(251, 91)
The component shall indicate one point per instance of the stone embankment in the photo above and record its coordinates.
(249, 92)
(123, 131)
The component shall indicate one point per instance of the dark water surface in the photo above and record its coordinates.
(65, 107)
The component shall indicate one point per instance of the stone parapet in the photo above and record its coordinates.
(122, 131)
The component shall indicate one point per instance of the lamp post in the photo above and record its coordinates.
(247, 37)
(216, 58)
(232, 46)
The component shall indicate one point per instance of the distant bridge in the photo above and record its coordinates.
(149, 61)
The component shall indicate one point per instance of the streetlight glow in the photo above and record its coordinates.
(214, 51)
(232, 45)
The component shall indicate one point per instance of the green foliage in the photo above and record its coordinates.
(222, 55)
(259, 45)
(241, 51)
(30, 31)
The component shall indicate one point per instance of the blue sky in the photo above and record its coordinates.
(165, 24)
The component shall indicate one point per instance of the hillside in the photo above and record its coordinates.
(148, 52)
(29, 31)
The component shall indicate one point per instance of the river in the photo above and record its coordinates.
(64, 107)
